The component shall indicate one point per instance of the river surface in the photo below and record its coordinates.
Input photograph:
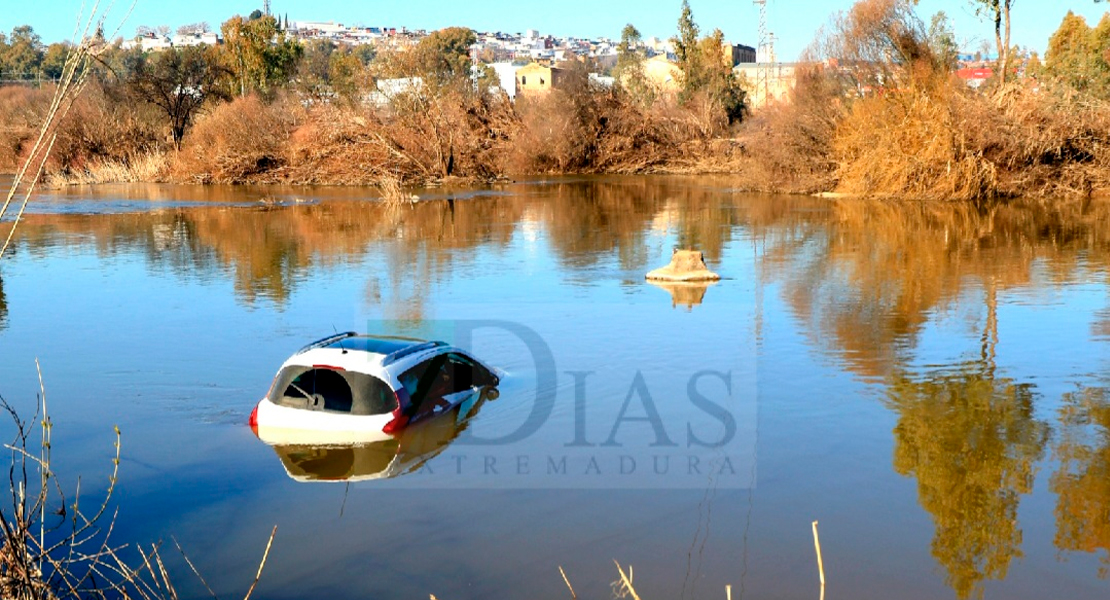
(928, 382)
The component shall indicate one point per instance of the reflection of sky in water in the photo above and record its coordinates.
(171, 324)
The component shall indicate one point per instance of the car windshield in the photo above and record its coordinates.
(332, 390)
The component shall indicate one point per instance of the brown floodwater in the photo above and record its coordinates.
(928, 381)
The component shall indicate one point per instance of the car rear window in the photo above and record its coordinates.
(332, 390)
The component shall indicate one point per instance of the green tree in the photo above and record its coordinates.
(178, 81)
(312, 71)
(705, 67)
(718, 79)
(347, 75)
(1100, 47)
(942, 41)
(1033, 67)
(55, 59)
(366, 53)
(258, 53)
(628, 50)
(24, 53)
(443, 57)
(629, 71)
(686, 48)
(1071, 56)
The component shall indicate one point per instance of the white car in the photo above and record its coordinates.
(366, 388)
(405, 452)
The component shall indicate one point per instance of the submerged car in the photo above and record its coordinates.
(367, 387)
(334, 458)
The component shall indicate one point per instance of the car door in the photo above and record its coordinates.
(438, 384)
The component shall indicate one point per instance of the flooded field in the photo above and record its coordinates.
(929, 382)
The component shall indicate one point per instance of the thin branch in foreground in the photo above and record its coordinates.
(626, 580)
(262, 564)
(567, 581)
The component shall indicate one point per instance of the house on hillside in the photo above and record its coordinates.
(662, 74)
(148, 43)
(196, 38)
(535, 78)
(506, 77)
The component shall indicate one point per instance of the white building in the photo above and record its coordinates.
(506, 76)
(151, 43)
(195, 38)
(388, 89)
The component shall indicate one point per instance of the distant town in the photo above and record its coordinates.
(491, 47)
(506, 52)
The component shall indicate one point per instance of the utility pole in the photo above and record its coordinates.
(763, 48)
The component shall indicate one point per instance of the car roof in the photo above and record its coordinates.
(368, 353)
(384, 345)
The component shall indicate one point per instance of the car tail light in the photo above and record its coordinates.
(400, 419)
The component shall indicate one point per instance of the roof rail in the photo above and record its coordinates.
(403, 352)
(320, 343)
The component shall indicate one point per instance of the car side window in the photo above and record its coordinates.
(460, 373)
(410, 379)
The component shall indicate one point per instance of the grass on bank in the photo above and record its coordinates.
(55, 545)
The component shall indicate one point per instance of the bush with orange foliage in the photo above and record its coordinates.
(242, 140)
(22, 110)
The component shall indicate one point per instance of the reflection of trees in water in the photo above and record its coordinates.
(1082, 481)
(589, 219)
(269, 249)
(971, 440)
(866, 276)
(3, 306)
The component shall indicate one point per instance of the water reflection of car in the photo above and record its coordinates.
(333, 458)
(366, 388)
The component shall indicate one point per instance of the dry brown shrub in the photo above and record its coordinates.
(101, 130)
(635, 139)
(242, 140)
(453, 133)
(104, 126)
(344, 145)
(418, 139)
(22, 110)
(789, 145)
(1045, 140)
(910, 143)
(556, 135)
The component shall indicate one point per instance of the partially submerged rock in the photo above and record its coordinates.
(686, 265)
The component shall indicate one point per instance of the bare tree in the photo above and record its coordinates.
(180, 82)
(998, 11)
(201, 27)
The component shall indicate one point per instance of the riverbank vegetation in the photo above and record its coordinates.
(59, 545)
(876, 110)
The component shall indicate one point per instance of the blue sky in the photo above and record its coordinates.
(793, 21)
